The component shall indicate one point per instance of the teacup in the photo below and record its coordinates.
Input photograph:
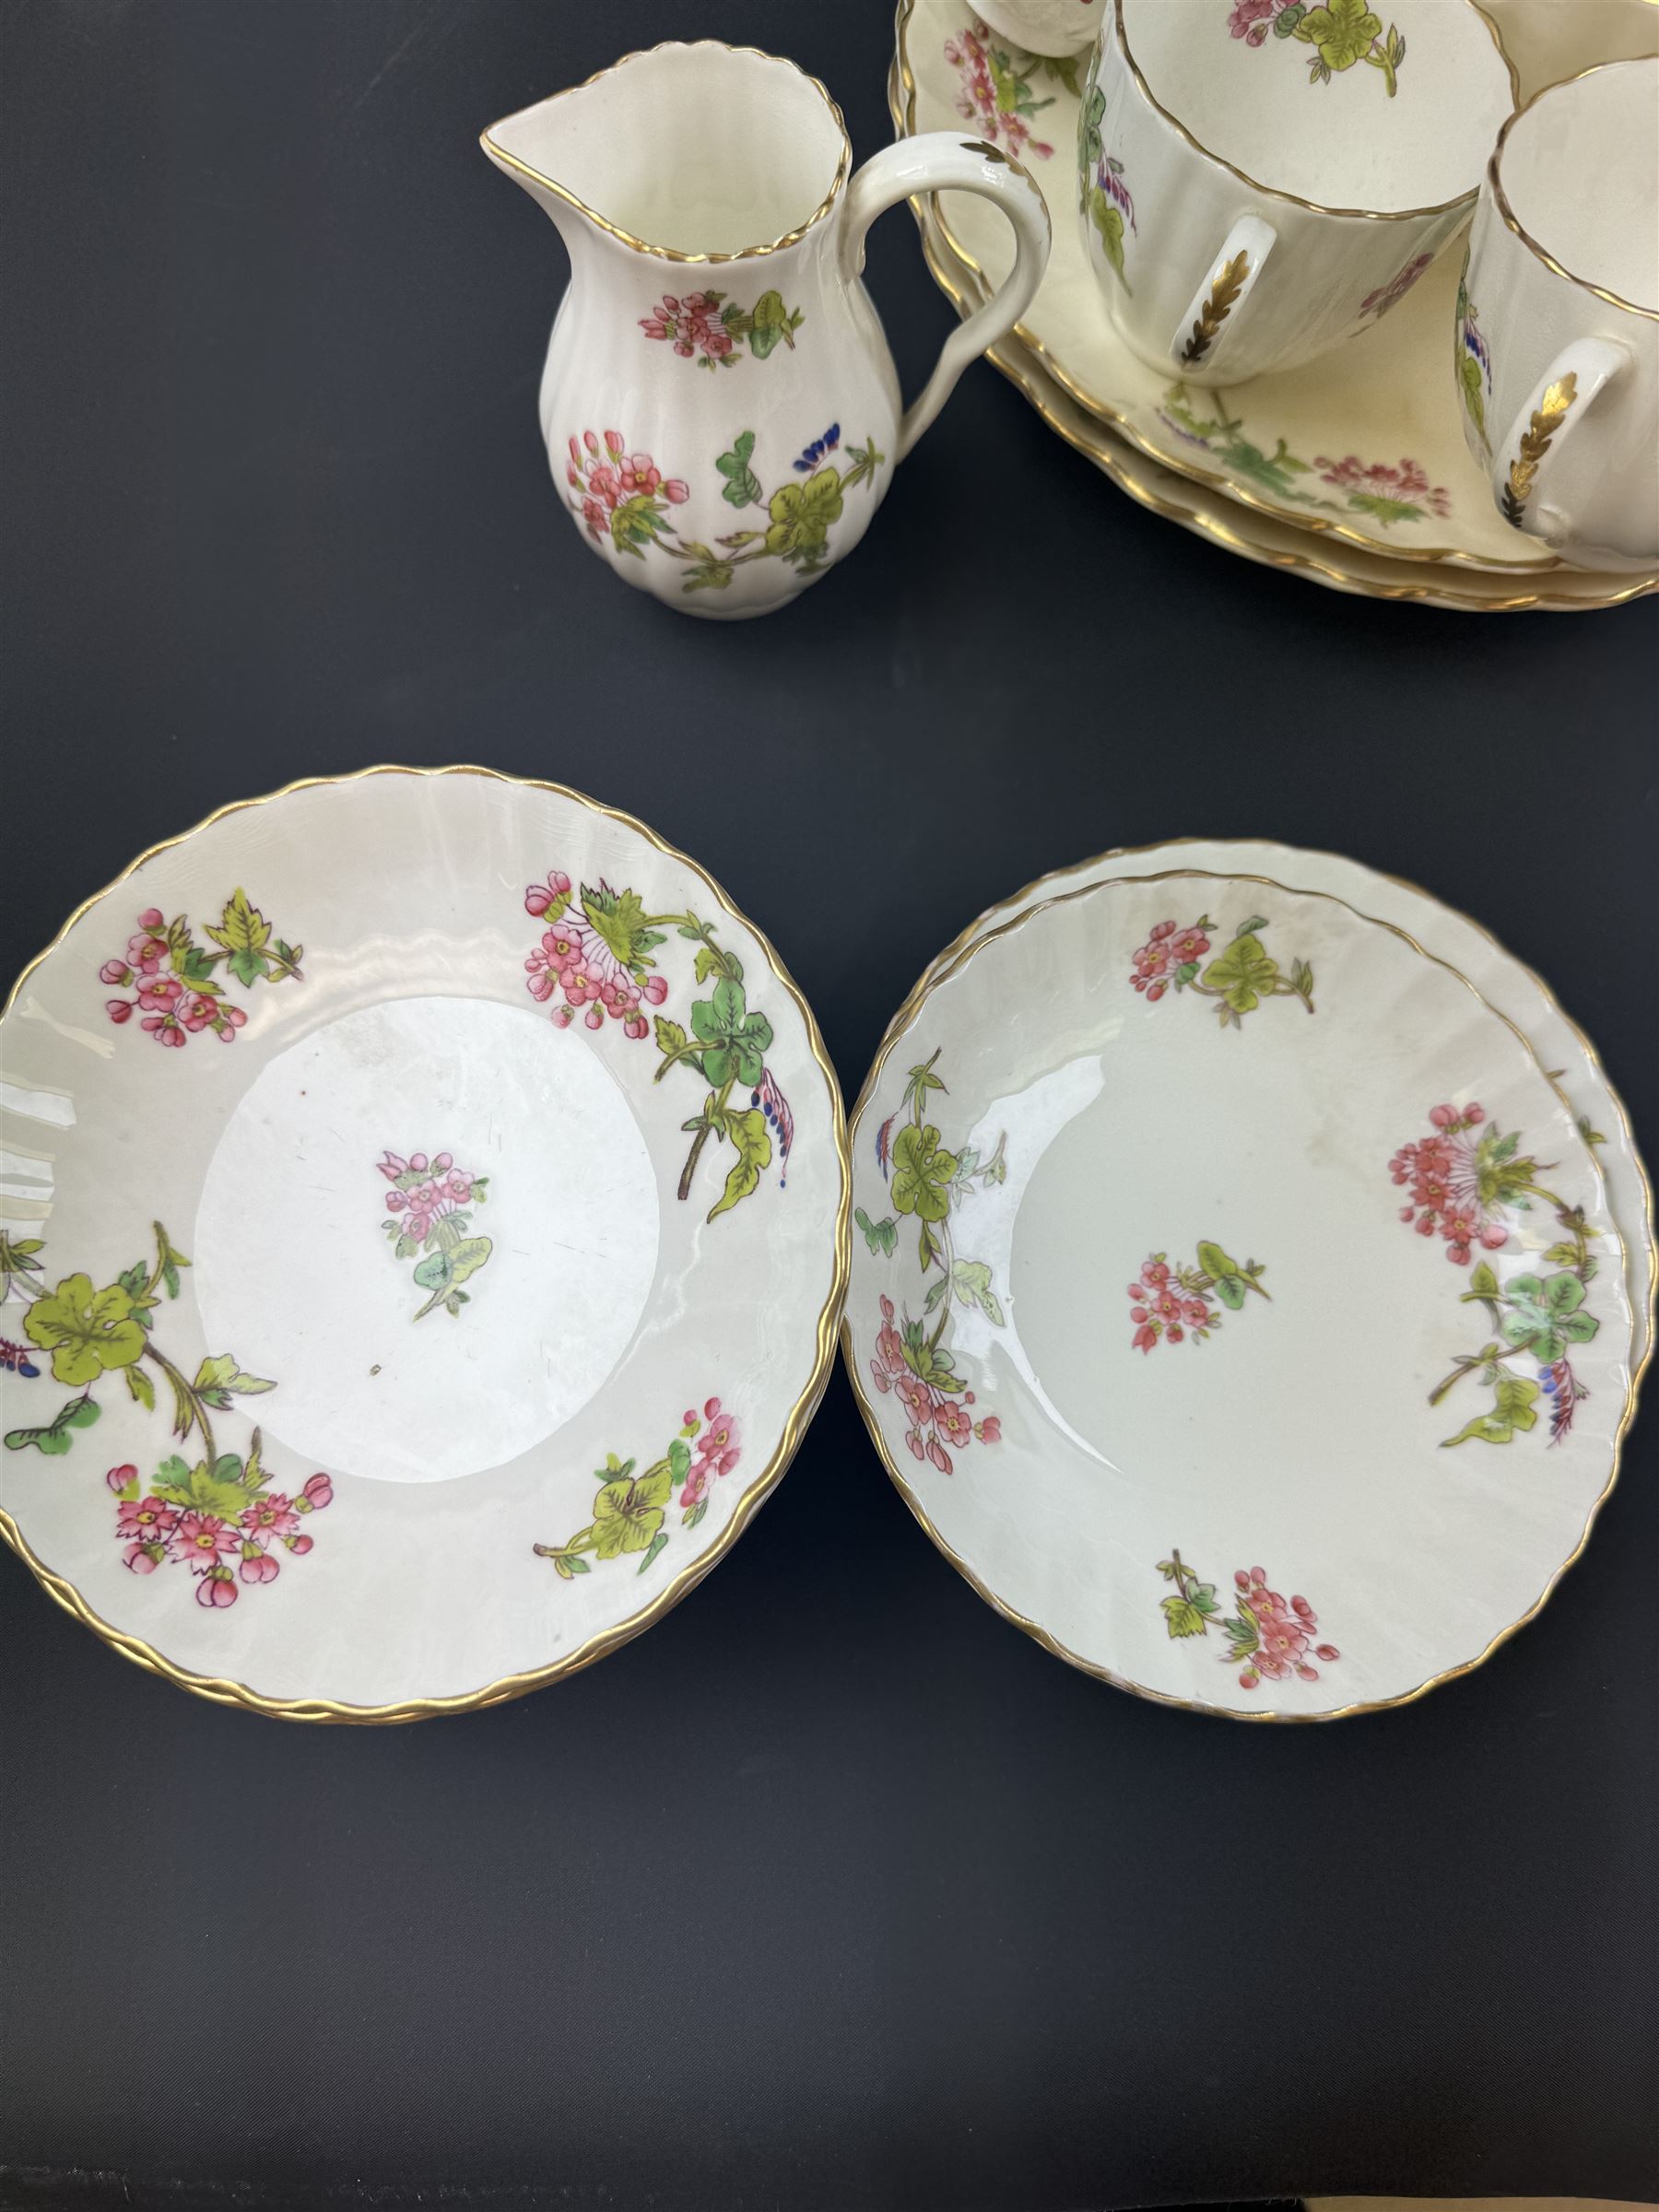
(1557, 318)
(1053, 27)
(1257, 184)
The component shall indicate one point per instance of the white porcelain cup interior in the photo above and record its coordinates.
(741, 148)
(1345, 142)
(1580, 170)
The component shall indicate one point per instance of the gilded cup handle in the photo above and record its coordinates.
(1212, 317)
(1558, 403)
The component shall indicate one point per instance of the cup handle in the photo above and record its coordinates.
(1559, 402)
(1207, 324)
(939, 160)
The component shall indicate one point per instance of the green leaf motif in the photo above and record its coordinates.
(880, 1236)
(87, 1331)
(734, 1040)
(55, 1438)
(1513, 1409)
(1544, 1316)
(801, 515)
(619, 919)
(921, 1173)
(748, 1132)
(220, 1378)
(244, 932)
(628, 1514)
(1343, 31)
(773, 323)
(742, 487)
(1108, 220)
(1243, 974)
(970, 1281)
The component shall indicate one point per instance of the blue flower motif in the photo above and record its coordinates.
(815, 452)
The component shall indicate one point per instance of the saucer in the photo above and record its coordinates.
(1361, 450)
(423, 1236)
(1235, 1299)
(1209, 512)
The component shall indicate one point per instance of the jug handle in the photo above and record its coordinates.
(940, 161)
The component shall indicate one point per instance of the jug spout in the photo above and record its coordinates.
(631, 154)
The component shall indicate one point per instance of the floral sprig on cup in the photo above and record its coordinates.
(629, 1510)
(1341, 34)
(623, 498)
(708, 327)
(1269, 1638)
(625, 501)
(172, 977)
(1172, 959)
(431, 1203)
(1465, 1184)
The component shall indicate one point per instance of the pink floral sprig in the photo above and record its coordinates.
(1442, 1174)
(620, 495)
(1253, 19)
(580, 971)
(442, 1189)
(692, 325)
(1168, 951)
(979, 100)
(1283, 1634)
(171, 1008)
(215, 1546)
(1381, 488)
(1163, 1309)
(717, 1450)
(938, 1418)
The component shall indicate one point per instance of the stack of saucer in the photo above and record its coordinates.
(1352, 469)
(1253, 1277)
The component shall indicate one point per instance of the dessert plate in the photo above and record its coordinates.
(1363, 447)
(1236, 1301)
(1507, 983)
(443, 1330)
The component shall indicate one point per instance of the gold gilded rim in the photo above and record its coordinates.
(1112, 454)
(639, 245)
(226, 1692)
(902, 94)
(1278, 192)
(966, 948)
(1500, 198)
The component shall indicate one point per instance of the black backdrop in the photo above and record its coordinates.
(833, 1892)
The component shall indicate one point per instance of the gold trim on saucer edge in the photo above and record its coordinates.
(956, 955)
(1023, 358)
(223, 1691)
